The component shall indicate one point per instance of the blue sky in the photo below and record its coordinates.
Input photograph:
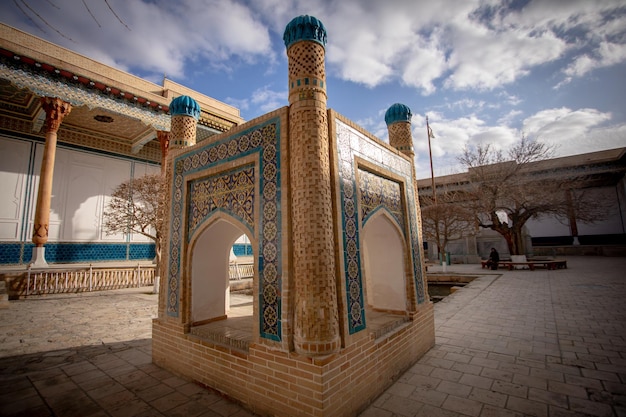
(483, 71)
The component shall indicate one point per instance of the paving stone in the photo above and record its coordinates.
(509, 388)
(431, 411)
(497, 374)
(499, 340)
(402, 406)
(547, 397)
(462, 405)
(402, 390)
(423, 381)
(530, 381)
(583, 382)
(429, 396)
(476, 381)
(527, 407)
(453, 388)
(592, 408)
(488, 397)
(446, 374)
(492, 411)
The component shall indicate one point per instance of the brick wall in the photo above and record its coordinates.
(272, 382)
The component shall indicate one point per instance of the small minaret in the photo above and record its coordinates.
(185, 113)
(398, 119)
(316, 323)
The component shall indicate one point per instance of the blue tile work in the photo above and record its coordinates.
(380, 193)
(81, 252)
(66, 252)
(232, 191)
(350, 144)
(263, 140)
(242, 249)
(141, 251)
(11, 253)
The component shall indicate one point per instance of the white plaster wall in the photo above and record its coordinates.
(14, 157)
(80, 189)
(384, 265)
(550, 226)
(614, 222)
(141, 169)
(210, 287)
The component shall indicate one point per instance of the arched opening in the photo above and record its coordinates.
(385, 272)
(211, 275)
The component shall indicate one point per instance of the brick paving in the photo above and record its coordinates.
(512, 343)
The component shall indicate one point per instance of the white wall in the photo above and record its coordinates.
(614, 222)
(14, 157)
(383, 253)
(80, 189)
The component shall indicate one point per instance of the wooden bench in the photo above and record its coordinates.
(550, 264)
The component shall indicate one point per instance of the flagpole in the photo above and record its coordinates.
(430, 155)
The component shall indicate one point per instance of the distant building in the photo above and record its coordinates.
(603, 174)
(117, 129)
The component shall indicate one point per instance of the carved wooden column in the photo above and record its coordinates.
(56, 109)
(164, 140)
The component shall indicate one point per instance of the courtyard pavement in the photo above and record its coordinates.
(511, 343)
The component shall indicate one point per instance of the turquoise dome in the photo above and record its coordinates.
(398, 113)
(186, 106)
(303, 28)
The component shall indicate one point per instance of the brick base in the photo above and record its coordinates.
(277, 383)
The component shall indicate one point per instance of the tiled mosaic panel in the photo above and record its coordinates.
(350, 143)
(10, 253)
(242, 249)
(232, 192)
(21, 253)
(378, 192)
(264, 140)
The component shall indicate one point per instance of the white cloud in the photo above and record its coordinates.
(158, 36)
(484, 59)
(264, 99)
(606, 54)
(575, 131)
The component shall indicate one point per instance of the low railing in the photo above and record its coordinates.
(239, 271)
(97, 278)
(92, 278)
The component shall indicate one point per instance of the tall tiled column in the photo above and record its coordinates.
(56, 109)
(185, 113)
(316, 325)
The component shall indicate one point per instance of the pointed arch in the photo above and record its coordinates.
(384, 260)
(208, 262)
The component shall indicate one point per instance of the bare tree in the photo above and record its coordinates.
(445, 218)
(507, 191)
(137, 206)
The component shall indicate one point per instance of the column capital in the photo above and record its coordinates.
(164, 139)
(56, 109)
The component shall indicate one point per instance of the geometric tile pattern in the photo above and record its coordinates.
(263, 140)
(351, 144)
(232, 192)
(378, 192)
(19, 253)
